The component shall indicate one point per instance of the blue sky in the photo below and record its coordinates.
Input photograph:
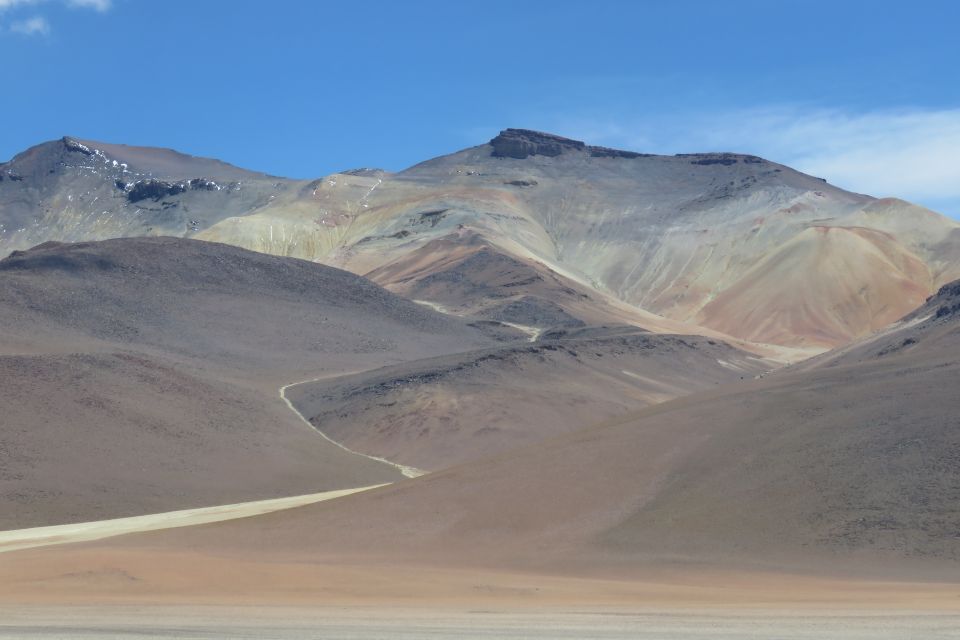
(866, 94)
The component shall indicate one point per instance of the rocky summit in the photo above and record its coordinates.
(523, 143)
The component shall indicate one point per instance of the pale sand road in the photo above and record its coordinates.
(363, 624)
(17, 539)
(88, 531)
(409, 472)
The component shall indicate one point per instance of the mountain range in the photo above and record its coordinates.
(532, 229)
(549, 360)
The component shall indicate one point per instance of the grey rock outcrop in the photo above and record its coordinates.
(522, 143)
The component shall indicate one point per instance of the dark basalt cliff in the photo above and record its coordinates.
(947, 300)
(523, 143)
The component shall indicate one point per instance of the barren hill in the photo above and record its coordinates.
(443, 411)
(142, 375)
(214, 303)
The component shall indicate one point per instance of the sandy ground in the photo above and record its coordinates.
(18, 539)
(363, 623)
(145, 569)
(106, 590)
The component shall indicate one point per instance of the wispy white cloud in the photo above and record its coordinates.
(97, 5)
(7, 4)
(39, 25)
(35, 26)
(908, 153)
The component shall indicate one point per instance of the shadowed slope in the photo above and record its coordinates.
(443, 411)
(141, 375)
(259, 314)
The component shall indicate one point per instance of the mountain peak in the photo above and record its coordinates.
(72, 144)
(523, 143)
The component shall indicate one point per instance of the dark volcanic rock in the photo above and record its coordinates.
(73, 145)
(154, 189)
(725, 159)
(950, 290)
(522, 143)
(606, 152)
(202, 184)
(947, 299)
(364, 171)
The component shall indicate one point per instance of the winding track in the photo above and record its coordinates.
(17, 539)
(409, 472)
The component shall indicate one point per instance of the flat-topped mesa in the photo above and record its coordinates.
(523, 143)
